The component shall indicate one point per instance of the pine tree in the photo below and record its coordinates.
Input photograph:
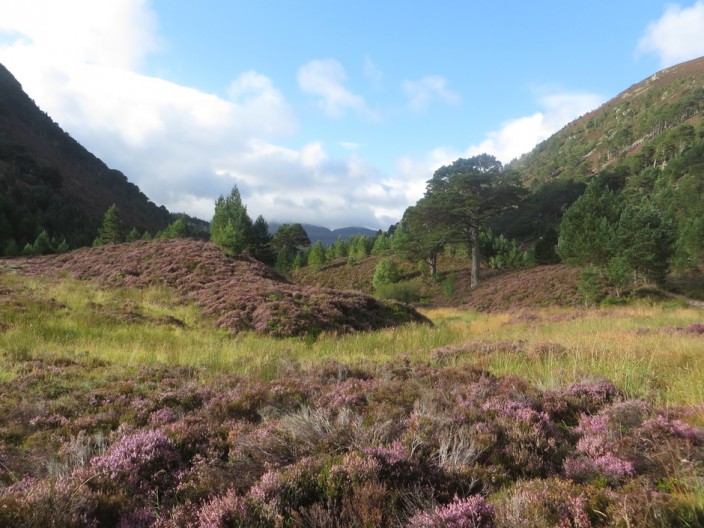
(284, 263)
(231, 226)
(133, 235)
(262, 249)
(42, 244)
(111, 232)
(316, 258)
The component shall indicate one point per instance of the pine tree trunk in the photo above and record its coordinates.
(475, 256)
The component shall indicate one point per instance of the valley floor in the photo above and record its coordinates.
(126, 407)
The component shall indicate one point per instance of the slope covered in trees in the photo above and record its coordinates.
(49, 182)
(651, 121)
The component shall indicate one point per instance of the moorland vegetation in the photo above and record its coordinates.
(546, 373)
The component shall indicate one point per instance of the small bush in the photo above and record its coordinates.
(448, 284)
(402, 291)
(386, 272)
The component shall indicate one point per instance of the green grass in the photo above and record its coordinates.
(627, 344)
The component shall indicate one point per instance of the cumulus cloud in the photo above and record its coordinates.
(519, 136)
(80, 60)
(420, 93)
(326, 79)
(309, 186)
(117, 34)
(676, 36)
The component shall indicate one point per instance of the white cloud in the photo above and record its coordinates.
(676, 36)
(519, 136)
(116, 34)
(80, 61)
(372, 71)
(421, 93)
(326, 79)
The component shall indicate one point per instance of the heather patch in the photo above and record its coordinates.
(401, 444)
(239, 294)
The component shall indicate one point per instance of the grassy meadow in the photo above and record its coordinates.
(643, 348)
(127, 407)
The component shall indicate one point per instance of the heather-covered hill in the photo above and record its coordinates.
(240, 294)
(554, 285)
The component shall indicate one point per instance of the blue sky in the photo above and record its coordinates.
(327, 112)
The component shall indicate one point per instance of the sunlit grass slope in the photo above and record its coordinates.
(649, 351)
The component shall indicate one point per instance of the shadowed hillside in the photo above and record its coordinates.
(240, 294)
(48, 181)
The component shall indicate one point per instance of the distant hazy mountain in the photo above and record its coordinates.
(328, 236)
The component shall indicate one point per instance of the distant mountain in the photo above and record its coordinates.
(48, 181)
(328, 236)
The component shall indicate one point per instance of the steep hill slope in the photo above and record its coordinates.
(655, 118)
(49, 181)
(241, 294)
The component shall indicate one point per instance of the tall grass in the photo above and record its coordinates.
(633, 346)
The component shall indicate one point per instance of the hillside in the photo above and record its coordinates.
(240, 294)
(49, 181)
(506, 290)
(655, 118)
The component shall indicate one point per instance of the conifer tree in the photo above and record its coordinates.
(111, 232)
(231, 226)
(316, 257)
(262, 249)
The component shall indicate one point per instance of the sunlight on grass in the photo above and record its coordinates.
(637, 347)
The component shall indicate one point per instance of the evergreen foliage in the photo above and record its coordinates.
(262, 248)
(461, 197)
(386, 272)
(112, 230)
(316, 256)
(231, 226)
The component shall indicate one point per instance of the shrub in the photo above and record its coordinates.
(472, 512)
(142, 460)
(448, 284)
(386, 272)
(405, 292)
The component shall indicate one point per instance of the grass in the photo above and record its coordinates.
(86, 371)
(634, 346)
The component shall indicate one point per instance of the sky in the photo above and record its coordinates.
(329, 112)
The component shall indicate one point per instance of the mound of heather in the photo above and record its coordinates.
(241, 294)
(530, 288)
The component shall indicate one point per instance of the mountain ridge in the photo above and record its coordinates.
(39, 159)
(621, 127)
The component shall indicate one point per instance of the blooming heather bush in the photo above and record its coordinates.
(543, 504)
(232, 510)
(291, 488)
(142, 460)
(472, 512)
(530, 442)
(32, 503)
(587, 397)
(241, 294)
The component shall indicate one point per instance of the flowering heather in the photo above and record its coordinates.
(240, 294)
(543, 286)
(543, 503)
(404, 443)
(140, 459)
(472, 512)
